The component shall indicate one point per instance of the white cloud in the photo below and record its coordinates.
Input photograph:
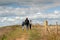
(11, 10)
(17, 17)
(7, 19)
(31, 13)
(57, 12)
(42, 15)
(3, 19)
(10, 19)
(43, 4)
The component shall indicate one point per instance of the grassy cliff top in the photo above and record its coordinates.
(15, 32)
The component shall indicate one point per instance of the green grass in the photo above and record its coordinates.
(4, 37)
(34, 34)
(16, 32)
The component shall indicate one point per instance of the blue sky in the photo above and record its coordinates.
(15, 11)
(51, 10)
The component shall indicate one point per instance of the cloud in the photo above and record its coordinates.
(57, 12)
(10, 11)
(10, 19)
(24, 12)
(43, 4)
(15, 11)
(4, 19)
(42, 15)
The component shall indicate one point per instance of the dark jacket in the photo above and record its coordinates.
(26, 21)
(23, 23)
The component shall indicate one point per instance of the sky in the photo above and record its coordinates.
(15, 11)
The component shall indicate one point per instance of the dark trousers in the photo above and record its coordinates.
(30, 26)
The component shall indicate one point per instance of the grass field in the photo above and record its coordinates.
(36, 33)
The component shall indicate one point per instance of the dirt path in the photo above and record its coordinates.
(24, 37)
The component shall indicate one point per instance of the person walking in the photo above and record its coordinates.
(23, 25)
(30, 24)
(27, 23)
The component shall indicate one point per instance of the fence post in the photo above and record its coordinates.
(46, 25)
(57, 30)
